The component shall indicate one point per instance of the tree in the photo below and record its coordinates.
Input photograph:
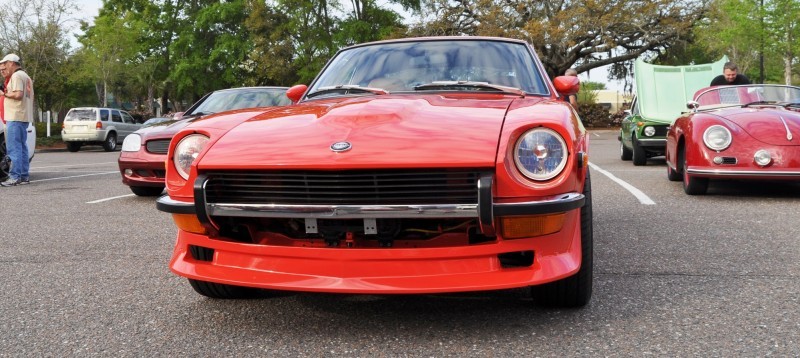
(108, 45)
(582, 34)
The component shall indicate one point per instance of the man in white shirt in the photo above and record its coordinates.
(18, 112)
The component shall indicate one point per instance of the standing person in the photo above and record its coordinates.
(18, 113)
(573, 99)
(730, 76)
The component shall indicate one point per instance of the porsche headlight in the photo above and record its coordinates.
(540, 154)
(132, 143)
(187, 151)
(717, 137)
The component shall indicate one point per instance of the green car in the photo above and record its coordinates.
(661, 96)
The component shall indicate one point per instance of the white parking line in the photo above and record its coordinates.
(642, 197)
(107, 199)
(74, 176)
(72, 165)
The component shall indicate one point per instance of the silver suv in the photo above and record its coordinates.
(92, 125)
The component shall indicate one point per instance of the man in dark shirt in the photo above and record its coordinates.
(730, 76)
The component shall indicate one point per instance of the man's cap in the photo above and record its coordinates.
(10, 57)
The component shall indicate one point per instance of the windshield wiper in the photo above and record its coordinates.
(345, 89)
(446, 85)
(757, 103)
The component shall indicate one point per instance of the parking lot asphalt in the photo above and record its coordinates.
(84, 266)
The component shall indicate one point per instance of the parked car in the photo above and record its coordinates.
(155, 120)
(141, 161)
(416, 165)
(97, 126)
(5, 162)
(736, 132)
(661, 96)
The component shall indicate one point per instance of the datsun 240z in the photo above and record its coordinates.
(421, 165)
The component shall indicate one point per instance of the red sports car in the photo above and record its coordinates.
(141, 161)
(736, 132)
(407, 166)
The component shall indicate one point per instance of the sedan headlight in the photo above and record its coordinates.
(540, 154)
(187, 151)
(649, 131)
(717, 137)
(132, 143)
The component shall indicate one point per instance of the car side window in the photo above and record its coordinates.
(115, 117)
(104, 115)
(127, 118)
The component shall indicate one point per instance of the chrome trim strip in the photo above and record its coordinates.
(343, 211)
(555, 204)
(652, 140)
(788, 132)
(745, 172)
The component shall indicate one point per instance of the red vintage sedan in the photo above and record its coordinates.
(419, 165)
(736, 132)
(144, 152)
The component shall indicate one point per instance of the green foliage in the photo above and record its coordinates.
(588, 92)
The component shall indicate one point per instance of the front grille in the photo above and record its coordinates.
(158, 146)
(729, 160)
(661, 131)
(344, 187)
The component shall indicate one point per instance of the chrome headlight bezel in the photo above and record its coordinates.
(717, 137)
(132, 143)
(186, 151)
(534, 148)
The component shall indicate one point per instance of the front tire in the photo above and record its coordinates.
(222, 291)
(147, 190)
(692, 185)
(624, 153)
(110, 144)
(73, 146)
(673, 175)
(576, 290)
(639, 154)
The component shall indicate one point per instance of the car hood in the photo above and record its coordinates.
(162, 130)
(767, 125)
(382, 131)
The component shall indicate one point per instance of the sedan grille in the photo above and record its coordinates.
(343, 187)
(158, 146)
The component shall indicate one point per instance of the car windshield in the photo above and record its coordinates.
(452, 64)
(89, 114)
(227, 100)
(748, 95)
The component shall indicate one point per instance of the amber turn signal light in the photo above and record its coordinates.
(189, 222)
(516, 227)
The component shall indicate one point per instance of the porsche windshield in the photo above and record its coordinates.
(749, 95)
(410, 66)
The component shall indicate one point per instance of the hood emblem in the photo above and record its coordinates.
(341, 146)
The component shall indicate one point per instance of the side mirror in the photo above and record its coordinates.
(627, 112)
(178, 115)
(296, 92)
(692, 105)
(567, 85)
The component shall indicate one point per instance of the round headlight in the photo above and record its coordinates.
(762, 157)
(649, 131)
(132, 143)
(540, 154)
(717, 137)
(187, 151)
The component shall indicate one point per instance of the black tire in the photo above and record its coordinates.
(5, 163)
(147, 190)
(222, 291)
(673, 175)
(624, 153)
(73, 146)
(639, 155)
(576, 290)
(691, 185)
(110, 144)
